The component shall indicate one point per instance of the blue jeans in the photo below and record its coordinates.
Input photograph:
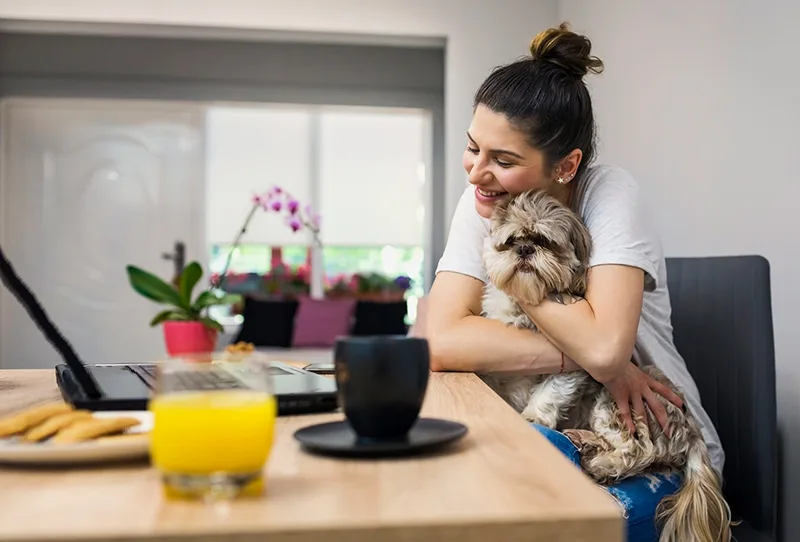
(638, 496)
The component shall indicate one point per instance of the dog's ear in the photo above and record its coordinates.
(582, 242)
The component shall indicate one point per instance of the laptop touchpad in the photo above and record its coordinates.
(119, 383)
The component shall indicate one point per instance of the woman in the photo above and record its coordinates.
(533, 128)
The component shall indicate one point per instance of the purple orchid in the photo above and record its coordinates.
(403, 282)
(277, 200)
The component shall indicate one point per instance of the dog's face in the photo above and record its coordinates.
(536, 246)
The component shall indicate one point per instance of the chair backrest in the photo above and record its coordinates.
(722, 326)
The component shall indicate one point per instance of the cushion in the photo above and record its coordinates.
(319, 322)
(267, 322)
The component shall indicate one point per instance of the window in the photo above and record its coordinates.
(364, 169)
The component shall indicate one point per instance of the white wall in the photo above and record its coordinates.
(479, 34)
(700, 101)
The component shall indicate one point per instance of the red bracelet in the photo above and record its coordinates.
(562, 363)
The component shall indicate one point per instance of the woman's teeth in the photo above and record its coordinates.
(489, 194)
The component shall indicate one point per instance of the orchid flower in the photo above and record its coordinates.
(277, 200)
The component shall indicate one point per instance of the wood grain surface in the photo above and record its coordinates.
(502, 482)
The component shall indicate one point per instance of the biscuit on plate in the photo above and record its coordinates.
(30, 417)
(53, 425)
(93, 428)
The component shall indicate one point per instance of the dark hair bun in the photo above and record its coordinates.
(564, 48)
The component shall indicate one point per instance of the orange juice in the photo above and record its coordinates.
(200, 434)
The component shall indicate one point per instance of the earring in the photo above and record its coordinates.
(560, 180)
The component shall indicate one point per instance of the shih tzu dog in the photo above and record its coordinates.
(537, 248)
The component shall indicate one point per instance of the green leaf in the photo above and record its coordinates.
(212, 324)
(155, 289)
(209, 299)
(164, 316)
(189, 278)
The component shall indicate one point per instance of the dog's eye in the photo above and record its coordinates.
(541, 241)
(502, 247)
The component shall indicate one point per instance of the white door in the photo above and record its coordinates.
(87, 187)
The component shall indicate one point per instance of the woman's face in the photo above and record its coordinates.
(500, 162)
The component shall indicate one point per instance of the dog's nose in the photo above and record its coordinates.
(525, 251)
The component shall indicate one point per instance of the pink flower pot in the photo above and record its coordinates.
(188, 338)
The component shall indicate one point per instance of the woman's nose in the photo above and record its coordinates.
(478, 173)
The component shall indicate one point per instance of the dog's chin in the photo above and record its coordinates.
(527, 280)
(526, 287)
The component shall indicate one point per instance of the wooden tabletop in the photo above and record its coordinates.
(503, 481)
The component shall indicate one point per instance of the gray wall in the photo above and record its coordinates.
(61, 65)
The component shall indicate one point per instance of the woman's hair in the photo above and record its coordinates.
(544, 95)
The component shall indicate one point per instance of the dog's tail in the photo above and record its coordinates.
(697, 512)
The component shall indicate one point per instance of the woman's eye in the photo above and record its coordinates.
(502, 163)
(472, 150)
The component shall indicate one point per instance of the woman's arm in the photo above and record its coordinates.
(461, 340)
(598, 332)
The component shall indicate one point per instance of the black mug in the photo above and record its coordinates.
(381, 383)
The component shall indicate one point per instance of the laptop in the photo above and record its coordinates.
(130, 386)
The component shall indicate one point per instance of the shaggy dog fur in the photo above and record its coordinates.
(537, 248)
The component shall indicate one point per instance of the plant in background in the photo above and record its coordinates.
(276, 200)
(284, 282)
(182, 307)
(377, 284)
(370, 286)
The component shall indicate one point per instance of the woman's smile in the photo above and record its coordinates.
(489, 196)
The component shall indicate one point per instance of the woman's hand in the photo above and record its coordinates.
(632, 388)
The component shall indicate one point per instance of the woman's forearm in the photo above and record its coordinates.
(575, 331)
(482, 345)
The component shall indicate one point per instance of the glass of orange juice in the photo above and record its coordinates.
(213, 427)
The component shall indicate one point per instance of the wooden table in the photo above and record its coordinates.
(503, 482)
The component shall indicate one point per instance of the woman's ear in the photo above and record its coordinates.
(568, 166)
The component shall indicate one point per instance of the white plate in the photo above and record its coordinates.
(16, 453)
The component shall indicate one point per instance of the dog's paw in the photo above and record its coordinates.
(587, 442)
(540, 418)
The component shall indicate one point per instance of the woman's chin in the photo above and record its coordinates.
(484, 208)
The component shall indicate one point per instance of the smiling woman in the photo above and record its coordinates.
(533, 129)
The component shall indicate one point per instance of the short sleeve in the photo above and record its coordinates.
(613, 211)
(463, 252)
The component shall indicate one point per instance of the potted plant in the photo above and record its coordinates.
(187, 326)
(380, 288)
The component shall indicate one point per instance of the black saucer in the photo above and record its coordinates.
(339, 439)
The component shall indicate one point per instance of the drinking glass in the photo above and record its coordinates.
(213, 427)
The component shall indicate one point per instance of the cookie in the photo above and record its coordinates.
(53, 425)
(93, 428)
(30, 417)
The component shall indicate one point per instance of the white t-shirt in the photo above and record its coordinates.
(608, 200)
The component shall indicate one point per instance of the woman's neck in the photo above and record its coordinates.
(563, 193)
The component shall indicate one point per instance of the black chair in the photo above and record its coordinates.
(267, 322)
(722, 326)
(380, 318)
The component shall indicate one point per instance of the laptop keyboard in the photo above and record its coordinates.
(206, 380)
(198, 380)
